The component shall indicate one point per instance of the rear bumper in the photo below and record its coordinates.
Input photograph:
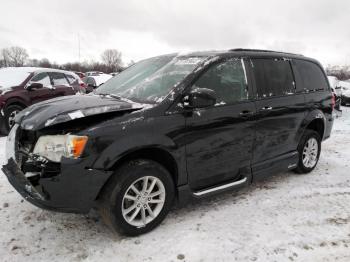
(74, 190)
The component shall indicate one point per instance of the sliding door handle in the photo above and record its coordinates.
(246, 113)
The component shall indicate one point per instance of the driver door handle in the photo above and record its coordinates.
(265, 108)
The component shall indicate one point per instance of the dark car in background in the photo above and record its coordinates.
(80, 74)
(21, 87)
(345, 96)
(171, 127)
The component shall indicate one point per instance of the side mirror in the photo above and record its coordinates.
(35, 86)
(200, 97)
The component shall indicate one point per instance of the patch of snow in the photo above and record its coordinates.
(221, 103)
(12, 77)
(189, 61)
(197, 112)
(172, 96)
(50, 121)
(207, 62)
(132, 120)
(76, 114)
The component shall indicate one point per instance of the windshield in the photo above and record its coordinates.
(10, 77)
(150, 80)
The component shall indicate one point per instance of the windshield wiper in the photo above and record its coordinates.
(111, 95)
(117, 97)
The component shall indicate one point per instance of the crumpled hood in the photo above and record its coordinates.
(68, 108)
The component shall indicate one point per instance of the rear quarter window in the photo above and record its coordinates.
(71, 79)
(58, 79)
(310, 76)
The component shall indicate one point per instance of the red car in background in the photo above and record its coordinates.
(80, 74)
(21, 87)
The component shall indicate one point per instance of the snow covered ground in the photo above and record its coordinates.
(288, 217)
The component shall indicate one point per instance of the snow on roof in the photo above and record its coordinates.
(11, 76)
(14, 76)
(18, 69)
(32, 69)
(344, 84)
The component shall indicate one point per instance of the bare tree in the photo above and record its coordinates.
(112, 58)
(14, 56)
(44, 62)
(341, 72)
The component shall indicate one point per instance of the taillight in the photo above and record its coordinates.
(333, 101)
(83, 85)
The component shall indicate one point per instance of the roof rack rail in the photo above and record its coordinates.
(262, 50)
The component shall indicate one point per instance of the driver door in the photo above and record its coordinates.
(220, 137)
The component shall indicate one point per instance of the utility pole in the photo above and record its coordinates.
(79, 49)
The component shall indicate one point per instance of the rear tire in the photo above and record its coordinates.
(10, 113)
(309, 151)
(130, 213)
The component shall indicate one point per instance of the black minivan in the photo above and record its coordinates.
(171, 127)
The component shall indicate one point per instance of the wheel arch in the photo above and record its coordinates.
(156, 154)
(314, 121)
(317, 125)
(15, 101)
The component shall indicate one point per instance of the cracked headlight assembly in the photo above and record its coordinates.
(56, 146)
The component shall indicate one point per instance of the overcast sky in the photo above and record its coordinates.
(140, 29)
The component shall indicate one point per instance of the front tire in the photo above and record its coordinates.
(10, 113)
(309, 151)
(137, 198)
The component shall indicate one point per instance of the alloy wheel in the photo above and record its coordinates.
(143, 201)
(310, 153)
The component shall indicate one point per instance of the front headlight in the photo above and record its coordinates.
(55, 147)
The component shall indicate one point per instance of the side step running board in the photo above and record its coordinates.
(219, 188)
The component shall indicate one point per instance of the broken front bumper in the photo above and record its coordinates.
(72, 188)
(18, 180)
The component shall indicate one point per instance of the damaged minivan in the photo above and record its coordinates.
(173, 127)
